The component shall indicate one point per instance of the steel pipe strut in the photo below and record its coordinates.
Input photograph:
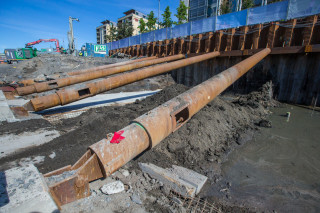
(92, 89)
(103, 157)
(50, 85)
(28, 82)
(110, 65)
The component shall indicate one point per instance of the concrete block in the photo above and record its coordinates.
(5, 111)
(112, 188)
(23, 190)
(184, 181)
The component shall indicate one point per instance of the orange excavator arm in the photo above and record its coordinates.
(45, 40)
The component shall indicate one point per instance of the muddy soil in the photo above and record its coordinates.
(201, 144)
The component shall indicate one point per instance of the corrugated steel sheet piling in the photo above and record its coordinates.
(50, 85)
(92, 89)
(79, 72)
(103, 157)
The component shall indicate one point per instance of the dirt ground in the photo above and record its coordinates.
(201, 144)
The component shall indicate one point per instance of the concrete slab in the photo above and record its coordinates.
(184, 181)
(5, 111)
(12, 143)
(23, 190)
(100, 100)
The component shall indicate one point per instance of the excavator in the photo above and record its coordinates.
(58, 49)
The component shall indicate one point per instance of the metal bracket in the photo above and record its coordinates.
(76, 186)
(308, 49)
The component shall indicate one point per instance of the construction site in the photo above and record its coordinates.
(220, 119)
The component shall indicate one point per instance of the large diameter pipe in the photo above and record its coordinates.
(104, 157)
(110, 66)
(28, 82)
(151, 128)
(91, 89)
(50, 85)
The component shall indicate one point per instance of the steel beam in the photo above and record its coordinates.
(103, 158)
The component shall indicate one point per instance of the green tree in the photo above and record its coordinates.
(247, 4)
(167, 21)
(112, 36)
(225, 7)
(182, 13)
(142, 26)
(124, 30)
(152, 20)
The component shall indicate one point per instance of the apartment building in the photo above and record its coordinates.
(199, 9)
(103, 30)
(186, 2)
(133, 16)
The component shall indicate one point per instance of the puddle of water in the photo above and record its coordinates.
(279, 169)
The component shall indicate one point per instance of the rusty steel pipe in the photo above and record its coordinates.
(110, 65)
(28, 82)
(144, 132)
(92, 89)
(168, 117)
(50, 85)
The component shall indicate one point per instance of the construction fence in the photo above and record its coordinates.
(279, 11)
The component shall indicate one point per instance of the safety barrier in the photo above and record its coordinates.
(284, 10)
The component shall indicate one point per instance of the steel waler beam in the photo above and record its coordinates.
(148, 130)
(79, 72)
(92, 89)
(50, 85)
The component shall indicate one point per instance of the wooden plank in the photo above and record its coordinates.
(167, 43)
(230, 35)
(154, 44)
(138, 50)
(256, 36)
(272, 34)
(289, 32)
(181, 45)
(308, 31)
(159, 48)
(209, 36)
(189, 44)
(217, 40)
(242, 38)
(198, 43)
(173, 46)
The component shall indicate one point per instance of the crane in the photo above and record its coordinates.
(70, 35)
(45, 40)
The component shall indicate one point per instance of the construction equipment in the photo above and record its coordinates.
(30, 44)
(71, 36)
(103, 158)
(15, 55)
(50, 85)
(92, 89)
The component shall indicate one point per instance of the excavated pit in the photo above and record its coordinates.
(203, 144)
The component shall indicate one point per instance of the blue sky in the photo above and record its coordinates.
(29, 20)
